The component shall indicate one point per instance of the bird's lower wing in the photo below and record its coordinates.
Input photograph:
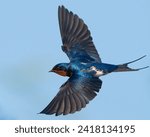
(73, 95)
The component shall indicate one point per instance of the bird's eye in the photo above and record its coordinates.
(60, 68)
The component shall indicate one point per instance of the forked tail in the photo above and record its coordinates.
(124, 67)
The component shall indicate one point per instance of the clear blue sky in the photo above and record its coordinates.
(30, 46)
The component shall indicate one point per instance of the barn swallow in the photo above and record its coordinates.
(84, 69)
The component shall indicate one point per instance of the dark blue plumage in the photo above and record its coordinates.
(84, 69)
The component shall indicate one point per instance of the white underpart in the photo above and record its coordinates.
(98, 72)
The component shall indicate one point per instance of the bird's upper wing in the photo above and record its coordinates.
(74, 94)
(76, 38)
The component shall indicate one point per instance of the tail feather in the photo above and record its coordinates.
(124, 67)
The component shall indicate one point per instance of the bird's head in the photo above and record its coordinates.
(60, 69)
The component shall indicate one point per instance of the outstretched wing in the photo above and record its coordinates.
(76, 38)
(73, 95)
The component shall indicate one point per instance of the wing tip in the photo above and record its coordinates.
(60, 7)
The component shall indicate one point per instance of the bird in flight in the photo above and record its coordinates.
(84, 69)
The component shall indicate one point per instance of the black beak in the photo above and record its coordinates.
(51, 71)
